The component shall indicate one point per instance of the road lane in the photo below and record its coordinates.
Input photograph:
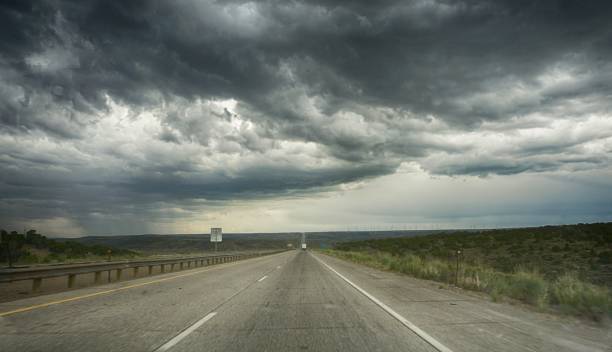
(302, 306)
(139, 319)
(284, 302)
(407, 323)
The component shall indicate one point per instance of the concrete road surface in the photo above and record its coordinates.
(293, 301)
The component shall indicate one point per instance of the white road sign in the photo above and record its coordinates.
(216, 235)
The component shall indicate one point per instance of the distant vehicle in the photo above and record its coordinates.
(303, 246)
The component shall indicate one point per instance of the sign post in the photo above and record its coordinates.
(457, 270)
(216, 236)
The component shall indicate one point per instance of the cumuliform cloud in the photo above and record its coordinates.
(111, 111)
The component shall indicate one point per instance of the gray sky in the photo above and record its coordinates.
(129, 117)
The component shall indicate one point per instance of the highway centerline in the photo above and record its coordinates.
(422, 334)
(185, 332)
(263, 278)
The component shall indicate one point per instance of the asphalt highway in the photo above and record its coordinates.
(292, 301)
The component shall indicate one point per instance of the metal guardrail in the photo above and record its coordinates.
(71, 271)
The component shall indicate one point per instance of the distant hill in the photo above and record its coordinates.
(181, 243)
(585, 249)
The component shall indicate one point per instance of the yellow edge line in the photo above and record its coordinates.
(42, 305)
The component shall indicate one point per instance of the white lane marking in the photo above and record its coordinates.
(422, 334)
(263, 278)
(185, 332)
(278, 267)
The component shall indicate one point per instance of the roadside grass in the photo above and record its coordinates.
(566, 294)
(584, 249)
(577, 297)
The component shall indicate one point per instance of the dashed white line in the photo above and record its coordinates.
(263, 278)
(422, 334)
(185, 332)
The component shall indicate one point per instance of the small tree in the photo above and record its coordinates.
(5, 242)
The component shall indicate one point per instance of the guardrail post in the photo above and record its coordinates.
(150, 269)
(36, 284)
(162, 268)
(189, 264)
(135, 271)
(119, 271)
(98, 277)
(71, 278)
(172, 267)
(181, 266)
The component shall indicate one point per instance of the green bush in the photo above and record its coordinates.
(529, 287)
(578, 297)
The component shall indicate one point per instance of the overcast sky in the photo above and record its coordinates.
(131, 117)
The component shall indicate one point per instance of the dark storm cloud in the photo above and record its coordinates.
(354, 88)
(424, 56)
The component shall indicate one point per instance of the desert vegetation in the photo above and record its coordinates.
(31, 248)
(561, 268)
